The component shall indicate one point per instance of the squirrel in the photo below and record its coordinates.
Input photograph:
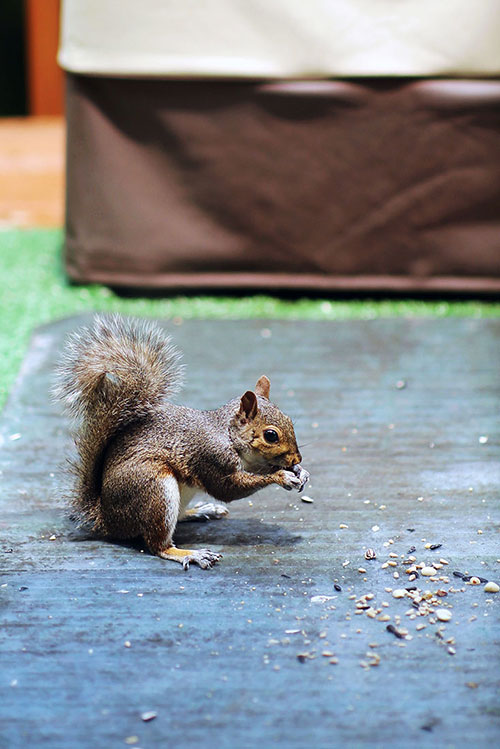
(141, 458)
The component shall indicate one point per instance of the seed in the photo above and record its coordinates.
(433, 547)
(306, 499)
(458, 574)
(370, 554)
(393, 630)
(302, 657)
(375, 528)
(491, 587)
(398, 593)
(474, 581)
(392, 563)
(395, 575)
(444, 615)
(343, 525)
(428, 571)
(337, 587)
(361, 570)
(146, 717)
(333, 661)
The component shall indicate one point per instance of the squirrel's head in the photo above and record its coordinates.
(262, 434)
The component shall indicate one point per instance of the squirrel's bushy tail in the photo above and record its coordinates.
(112, 373)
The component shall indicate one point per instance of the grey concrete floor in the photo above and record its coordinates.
(399, 422)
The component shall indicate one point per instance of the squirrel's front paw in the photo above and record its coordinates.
(302, 475)
(288, 480)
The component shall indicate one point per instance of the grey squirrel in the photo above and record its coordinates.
(141, 458)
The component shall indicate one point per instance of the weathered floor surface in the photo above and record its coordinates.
(399, 422)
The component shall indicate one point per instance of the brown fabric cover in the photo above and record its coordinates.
(373, 184)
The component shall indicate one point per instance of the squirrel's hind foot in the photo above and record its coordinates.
(204, 558)
(205, 511)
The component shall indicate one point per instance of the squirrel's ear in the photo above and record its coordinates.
(263, 386)
(248, 405)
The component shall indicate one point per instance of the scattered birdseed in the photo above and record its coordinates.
(370, 554)
(375, 528)
(474, 581)
(394, 631)
(491, 587)
(433, 547)
(306, 499)
(444, 615)
(343, 525)
(428, 571)
(337, 587)
(146, 717)
(398, 593)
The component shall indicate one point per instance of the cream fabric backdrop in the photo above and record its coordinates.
(281, 38)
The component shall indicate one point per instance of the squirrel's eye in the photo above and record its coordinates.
(271, 436)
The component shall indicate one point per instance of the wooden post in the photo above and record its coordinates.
(44, 76)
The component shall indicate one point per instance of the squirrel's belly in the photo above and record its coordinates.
(186, 495)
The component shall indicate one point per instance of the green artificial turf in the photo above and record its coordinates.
(35, 291)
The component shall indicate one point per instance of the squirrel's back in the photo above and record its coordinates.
(113, 373)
